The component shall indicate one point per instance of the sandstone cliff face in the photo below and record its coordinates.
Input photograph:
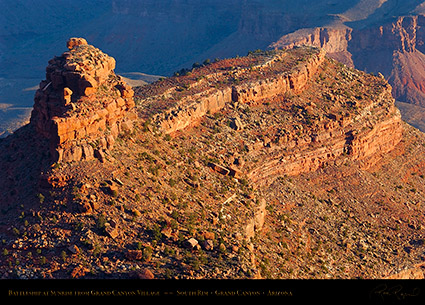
(82, 105)
(290, 82)
(405, 33)
(334, 41)
(374, 131)
(393, 48)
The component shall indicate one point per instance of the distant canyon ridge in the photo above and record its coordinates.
(394, 49)
(161, 37)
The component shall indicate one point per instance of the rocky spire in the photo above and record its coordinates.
(82, 105)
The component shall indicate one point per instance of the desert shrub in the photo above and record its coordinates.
(101, 221)
(40, 197)
(147, 253)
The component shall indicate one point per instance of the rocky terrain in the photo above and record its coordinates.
(280, 164)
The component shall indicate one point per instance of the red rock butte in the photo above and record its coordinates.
(82, 105)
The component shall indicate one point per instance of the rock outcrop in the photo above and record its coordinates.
(82, 105)
(288, 82)
(395, 48)
(361, 127)
(374, 131)
(273, 78)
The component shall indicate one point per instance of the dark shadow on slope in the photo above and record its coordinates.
(24, 156)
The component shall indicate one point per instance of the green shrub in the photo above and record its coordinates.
(40, 197)
(101, 221)
(147, 253)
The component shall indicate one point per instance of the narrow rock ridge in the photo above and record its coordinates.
(82, 105)
(273, 79)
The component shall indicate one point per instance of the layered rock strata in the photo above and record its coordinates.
(333, 40)
(82, 105)
(272, 78)
(365, 136)
(394, 48)
(354, 124)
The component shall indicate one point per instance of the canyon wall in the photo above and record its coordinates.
(394, 48)
(334, 41)
(82, 105)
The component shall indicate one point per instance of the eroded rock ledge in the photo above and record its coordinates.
(82, 105)
(355, 118)
(364, 135)
(247, 80)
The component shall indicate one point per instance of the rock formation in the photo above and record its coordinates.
(283, 156)
(284, 74)
(336, 136)
(334, 41)
(82, 105)
(237, 86)
(395, 48)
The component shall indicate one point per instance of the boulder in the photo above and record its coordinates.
(73, 249)
(73, 42)
(219, 169)
(191, 243)
(207, 244)
(134, 255)
(100, 154)
(113, 190)
(85, 207)
(145, 274)
(236, 124)
(112, 230)
(209, 235)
